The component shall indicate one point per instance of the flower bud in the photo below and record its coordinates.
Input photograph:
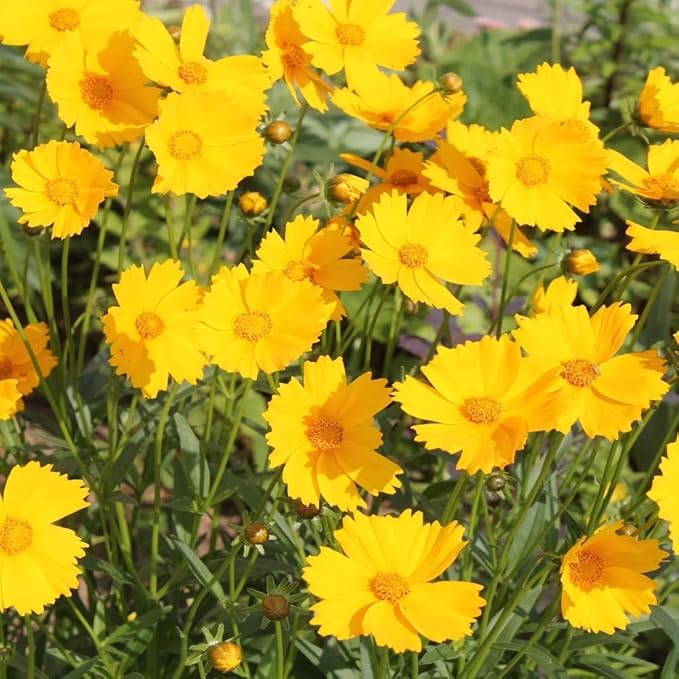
(278, 132)
(581, 262)
(225, 657)
(451, 82)
(256, 533)
(305, 511)
(347, 188)
(275, 607)
(252, 203)
(495, 482)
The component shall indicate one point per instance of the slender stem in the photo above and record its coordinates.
(394, 332)
(223, 225)
(299, 203)
(505, 280)
(170, 230)
(414, 666)
(628, 273)
(38, 113)
(128, 205)
(31, 646)
(655, 292)
(454, 499)
(280, 651)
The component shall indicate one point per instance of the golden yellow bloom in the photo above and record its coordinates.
(317, 256)
(581, 262)
(541, 168)
(357, 36)
(247, 329)
(152, 330)
(654, 242)
(484, 398)
(659, 102)
(381, 100)
(324, 435)
(561, 290)
(379, 588)
(38, 560)
(603, 582)
(225, 656)
(664, 491)
(593, 384)
(10, 398)
(205, 143)
(102, 91)
(60, 185)
(252, 203)
(422, 248)
(286, 58)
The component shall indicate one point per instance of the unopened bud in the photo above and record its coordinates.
(452, 82)
(225, 657)
(275, 607)
(256, 533)
(252, 203)
(496, 482)
(347, 188)
(305, 511)
(278, 132)
(581, 262)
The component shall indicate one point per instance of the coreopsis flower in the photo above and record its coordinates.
(205, 143)
(38, 560)
(663, 491)
(286, 58)
(225, 656)
(152, 330)
(44, 25)
(377, 587)
(561, 290)
(323, 433)
(603, 579)
(357, 36)
(347, 188)
(593, 384)
(382, 100)
(542, 169)
(422, 248)
(581, 262)
(654, 242)
(183, 67)
(483, 399)
(60, 185)
(659, 102)
(10, 398)
(317, 256)
(246, 328)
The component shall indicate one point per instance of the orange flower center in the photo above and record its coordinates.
(251, 326)
(587, 571)
(16, 536)
(185, 145)
(482, 410)
(61, 191)
(350, 34)
(96, 90)
(403, 178)
(482, 193)
(5, 367)
(580, 372)
(297, 270)
(293, 56)
(532, 170)
(413, 255)
(387, 118)
(661, 184)
(64, 19)
(193, 73)
(325, 433)
(149, 325)
(478, 165)
(389, 586)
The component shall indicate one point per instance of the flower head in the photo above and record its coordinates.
(225, 656)
(664, 491)
(561, 290)
(654, 242)
(347, 188)
(659, 102)
(580, 262)
(252, 203)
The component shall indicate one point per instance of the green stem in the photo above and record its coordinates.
(128, 206)
(454, 498)
(280, 651)
(505, 280)
(655, 292)
(394, 332)
(38, 113)
(628, 273)
(31, 646)
(414, 666)
(223, 226)
(170, 230)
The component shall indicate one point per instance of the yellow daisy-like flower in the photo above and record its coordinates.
(152, 330)
(60, 185)
(38, 560)
(102, 91)
(318, 256)
(246, 328)
(664, 491)
(205, 143)
(286, 58)
(10, 398)
(561, 290)
(593, 384)
(654, 242)
(357, 36)
(378, 587)
(541, 168)
(484, 398)
(43, 25)
(422, 248)
(381, 100)
(659, 102)
(603, 579)
(323, 434)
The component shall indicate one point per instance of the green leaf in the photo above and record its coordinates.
(667, 623)
(542, 657)
(200, 570)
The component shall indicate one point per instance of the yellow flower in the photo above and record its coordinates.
(247, 329)
(581, 262)
(381, 588)
(38, 560)
(252, 203)
(44, 25)
(324, 435)
(541, 168)
(225, 656)
(654, 242)
(205, 143)
(381, 100)
(357, 36)
(347, 188)
(602, 579)
(593, 384)
(664, 491)
(659, 102)
(314, 255)
(152, 330)
(60, 185)
(10, 398)
(102, 91)
(561, 290)
(484, 400)
(285, 57)
(184, 67)
(421, 248)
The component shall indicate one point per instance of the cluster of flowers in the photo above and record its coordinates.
(116, 74)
